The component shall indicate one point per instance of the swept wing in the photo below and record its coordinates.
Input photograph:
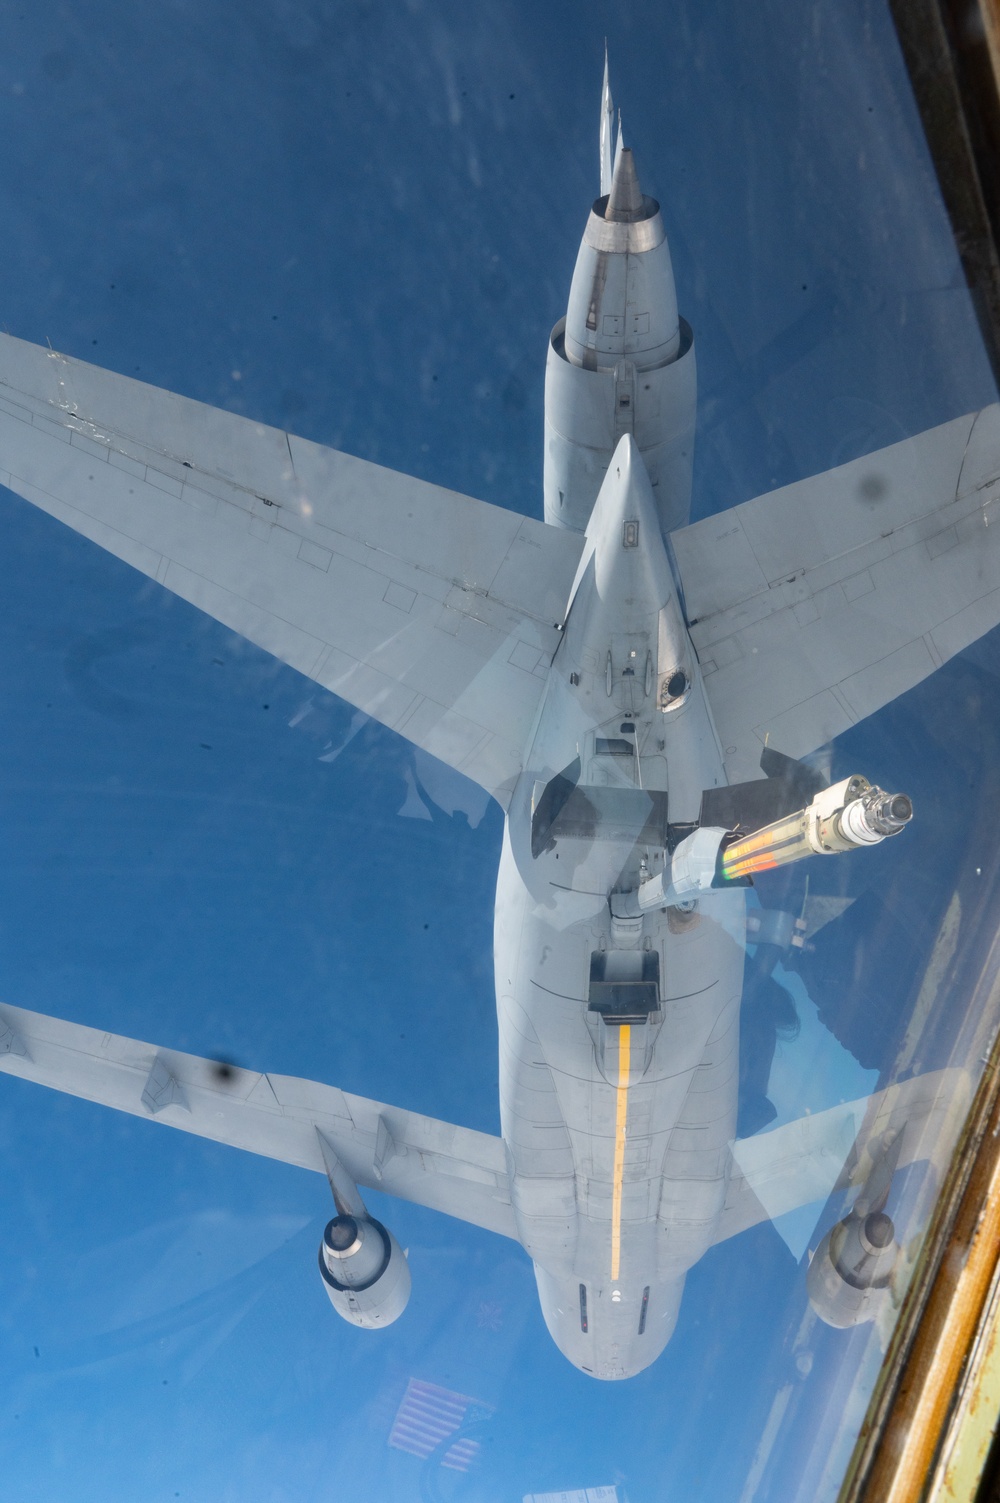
(452, 1169)
(806, 1160)
(448, 1168)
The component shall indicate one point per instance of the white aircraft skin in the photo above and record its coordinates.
(617, 1134)
(618, 1035)
(618, 1182)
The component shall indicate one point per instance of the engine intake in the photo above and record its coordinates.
(364, 1270)
(852, 1268)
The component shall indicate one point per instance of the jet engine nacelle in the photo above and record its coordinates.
(364, 1270)
(621, 361)
(852, 1268)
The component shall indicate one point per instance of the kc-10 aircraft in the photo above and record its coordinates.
(638, 693)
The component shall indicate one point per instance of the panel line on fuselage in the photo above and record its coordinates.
(563, 996)
(621, 1115)
(686, 996)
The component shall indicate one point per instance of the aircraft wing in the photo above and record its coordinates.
(426, 609)
(813, 606)
(805, 1161)
(451, 1169)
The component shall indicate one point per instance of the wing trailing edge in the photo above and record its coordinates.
(448, 1168)
(815, 605)
(431, 611)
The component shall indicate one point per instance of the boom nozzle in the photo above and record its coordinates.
(893, 811)
(850, 814)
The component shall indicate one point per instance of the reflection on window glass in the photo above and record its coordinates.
(317, 767)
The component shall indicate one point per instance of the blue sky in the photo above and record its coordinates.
(360, 222)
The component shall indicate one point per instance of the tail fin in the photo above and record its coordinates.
(607, 130)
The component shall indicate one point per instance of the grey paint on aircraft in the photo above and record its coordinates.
(596, 677)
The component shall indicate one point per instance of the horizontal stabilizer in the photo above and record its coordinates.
(786, 787)
(797, 776)
(428, 610)
(817, 604)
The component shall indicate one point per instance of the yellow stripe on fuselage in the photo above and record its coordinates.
(621, 1112)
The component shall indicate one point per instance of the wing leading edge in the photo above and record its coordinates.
(806, 1160)
(428, 610)
(817, 604)
(447, 1168)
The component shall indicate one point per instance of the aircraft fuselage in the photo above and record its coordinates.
(618, 1038)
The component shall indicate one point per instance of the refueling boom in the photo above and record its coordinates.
(851, 814)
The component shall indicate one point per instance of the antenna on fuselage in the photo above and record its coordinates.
(607, 130)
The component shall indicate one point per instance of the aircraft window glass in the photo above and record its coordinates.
(556, 1037)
